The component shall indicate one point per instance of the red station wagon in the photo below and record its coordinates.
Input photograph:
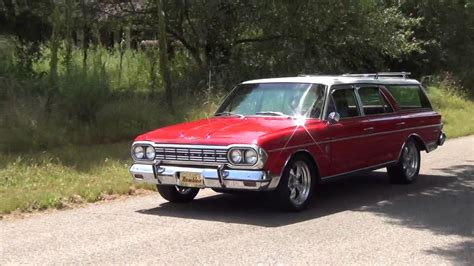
(287, 134)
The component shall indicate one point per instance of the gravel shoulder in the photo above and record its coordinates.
(357, 220)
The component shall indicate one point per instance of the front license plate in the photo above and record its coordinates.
(190, 179)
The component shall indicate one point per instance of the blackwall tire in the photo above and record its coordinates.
(177, 194)
(297, 184)
(406, 170)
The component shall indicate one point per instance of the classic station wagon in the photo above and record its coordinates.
(285, 135)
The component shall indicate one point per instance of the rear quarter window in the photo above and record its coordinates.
(409, 96)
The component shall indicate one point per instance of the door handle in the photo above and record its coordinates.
(401, 124)
(368, 128)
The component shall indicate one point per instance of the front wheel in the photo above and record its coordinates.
(297, 184)
(408, 166)
(177, 194)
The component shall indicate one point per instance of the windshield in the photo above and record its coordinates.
(275, 99)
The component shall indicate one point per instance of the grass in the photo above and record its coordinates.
(31, 180)
(57, 176)
(49, 155)
(53, 179)
(456, 109)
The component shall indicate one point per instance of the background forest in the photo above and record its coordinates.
(80, 77)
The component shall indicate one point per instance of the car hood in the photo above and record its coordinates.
(219, 131)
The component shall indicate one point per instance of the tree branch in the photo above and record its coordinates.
(193, 50)
(260, 39)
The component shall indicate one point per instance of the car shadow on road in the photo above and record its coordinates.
(442, 204)
(361, 192)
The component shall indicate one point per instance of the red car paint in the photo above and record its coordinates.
(349, 145)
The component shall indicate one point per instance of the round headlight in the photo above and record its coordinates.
(236, 156)
(251, 156)
(139, 152)
(150, 152)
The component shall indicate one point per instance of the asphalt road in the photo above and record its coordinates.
(357, 220)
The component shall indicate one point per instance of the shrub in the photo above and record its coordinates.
(82, 94)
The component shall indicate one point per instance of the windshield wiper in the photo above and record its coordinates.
(271, 113)
(228, 114)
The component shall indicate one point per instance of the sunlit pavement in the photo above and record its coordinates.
(361, 219)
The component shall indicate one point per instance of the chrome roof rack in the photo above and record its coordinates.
(308, 75)
(403, 75)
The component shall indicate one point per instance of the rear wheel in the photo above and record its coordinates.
(408, 166)
(297, 184)
(177, 194)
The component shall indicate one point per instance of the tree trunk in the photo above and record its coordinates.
(85, 36)
(127, 36)
(68, 38)
(85, 47)
(163, 53)
(53, 63)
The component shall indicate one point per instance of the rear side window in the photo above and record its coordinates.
(373, 102)
(409, 96)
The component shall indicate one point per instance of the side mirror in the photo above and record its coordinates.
(333, 118)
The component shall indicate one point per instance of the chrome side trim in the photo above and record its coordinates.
(352, 137)
(373, 167)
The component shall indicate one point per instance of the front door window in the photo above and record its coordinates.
(344, 102)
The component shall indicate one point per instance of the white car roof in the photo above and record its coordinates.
(335, 80)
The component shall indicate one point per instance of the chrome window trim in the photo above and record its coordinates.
(383, 98)
(333, 88)
(386, 100)
(310, 84)
(420, 86)
(359, 100)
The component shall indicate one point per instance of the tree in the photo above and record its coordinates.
(162, 42)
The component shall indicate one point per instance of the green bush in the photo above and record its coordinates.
(105, 100)
(81, 95)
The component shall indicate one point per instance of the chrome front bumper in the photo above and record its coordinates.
(222, 178)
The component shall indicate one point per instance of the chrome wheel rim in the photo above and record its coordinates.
(182, 190)
(411, 160)
(299, 183)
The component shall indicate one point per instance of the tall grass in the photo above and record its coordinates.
(64, 141)
(133, 75)
(456, 108)
(68, 144)
(106, 100)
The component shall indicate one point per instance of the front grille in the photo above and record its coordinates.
(207, 155)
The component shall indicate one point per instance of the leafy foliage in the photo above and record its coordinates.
(68, 65)
(76, 72)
